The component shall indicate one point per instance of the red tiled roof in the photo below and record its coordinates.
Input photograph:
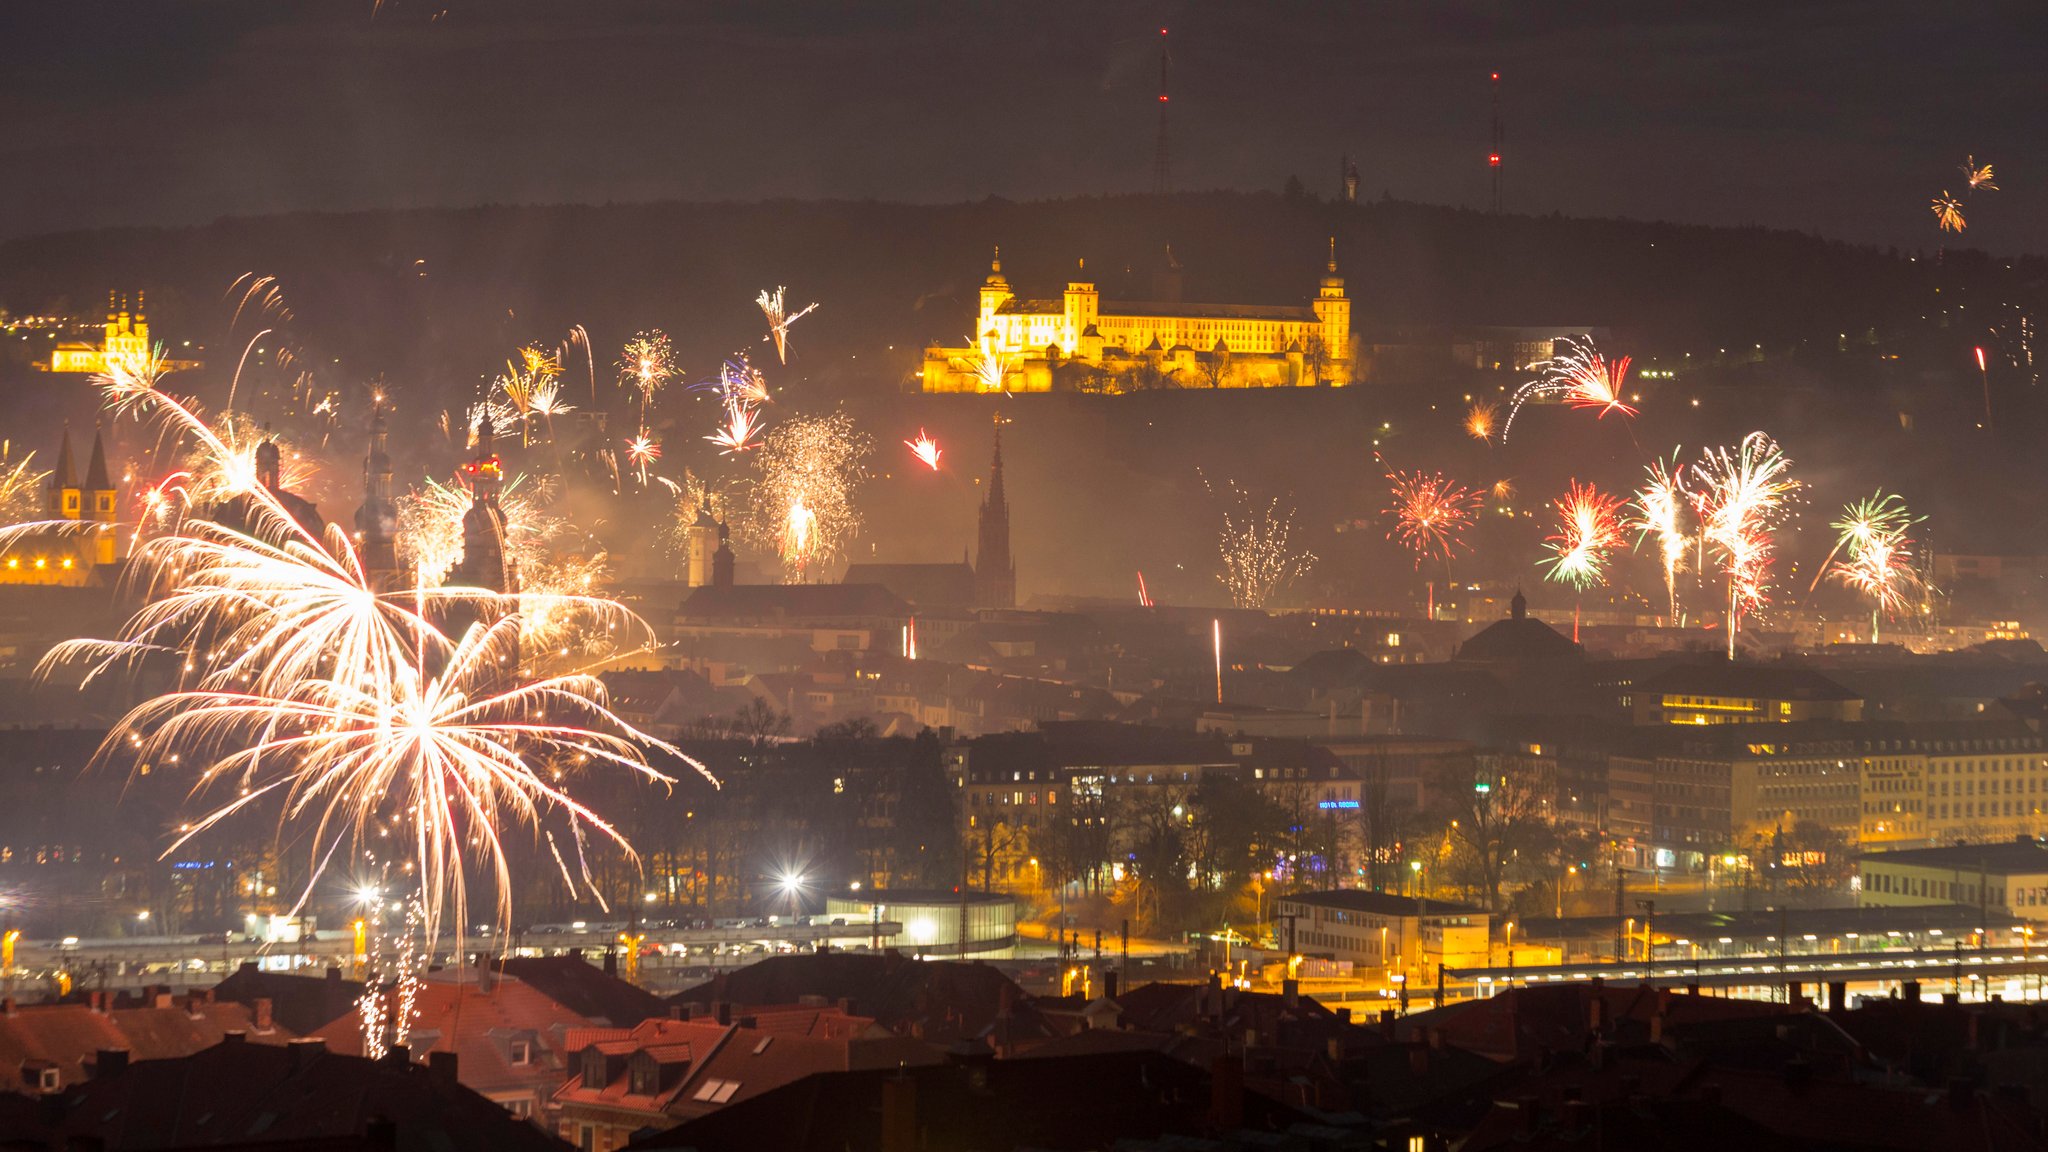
(68, 1036)
(478, 1022)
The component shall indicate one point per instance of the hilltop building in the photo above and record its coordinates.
(1083, 342)
(127, 335)
(69, 557)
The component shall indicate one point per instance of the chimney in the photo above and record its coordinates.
(1838, 997)
(303, 1052)
(109, 1062)
(747, 1022)
(1387, 1023)
(675, 1011)
(1290, 993)
(611, 961)
(441, 1066)
(1226, 1094)
(334, 973)
(1343, 1015)
(398, 1056)
(261, 1011)
(1909, 991)
(234, 1036)
(899, 1114)
(846, 1006)
(721, 1011)
(7, 1006)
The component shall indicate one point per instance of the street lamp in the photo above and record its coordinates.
(1511, 954)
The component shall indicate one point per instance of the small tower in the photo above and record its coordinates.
(721, 560)
(484, 560)
(67, 499)
(99, 489)
(377, 519)
(994, 292)
(700, 547)
(1333, 309)
(995, 574)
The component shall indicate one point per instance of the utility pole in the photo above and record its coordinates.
(1161, 153)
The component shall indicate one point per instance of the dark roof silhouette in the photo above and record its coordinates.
(936, 998)
(241, 1094)
(1761, 681)
(927, 586)
(792, 601)
(1091, 1101)
(582, 988)
(299, 1002)
(1518, 639)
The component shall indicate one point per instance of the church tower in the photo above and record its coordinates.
(484, 562)
(99, 490)
(994, 292)
(722, 560)
(67, 499)
(377, 519)
(995, 574)
(1333, 308)
(700, 547)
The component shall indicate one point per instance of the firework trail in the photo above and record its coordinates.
(1480, 420)
(430, 528)
(1431, 514)
(646, 364)
(21, 491)
(988, 364)
(1948, 213)
(1740, 496)
(304, 682)
(779, 320)
(1589, 529)
(1659, 510)
(1875, 555)
(926, 450)
(1579, 378)
(1978, 176)
(1257, 562)
(127, 381)
(531, 385)
(643, 450)
(742, 424)
(809, 470)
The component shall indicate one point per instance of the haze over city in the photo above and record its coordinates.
(640, 575)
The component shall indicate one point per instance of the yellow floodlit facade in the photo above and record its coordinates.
(1081, 342)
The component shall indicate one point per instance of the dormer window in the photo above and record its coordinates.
(646, 1076)
(521, 1052)
(593, 1068)
(47, 1079)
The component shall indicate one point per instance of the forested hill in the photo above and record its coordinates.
(445, 293)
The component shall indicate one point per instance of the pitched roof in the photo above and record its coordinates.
(927, 586)
(1381, 903)
(478, 1020)
(300, 1003)
(70, 1036)
(1091, 1101)
(584, 989)
(1762, 681)
(237, 1093)
(800, 601)
(937, 998)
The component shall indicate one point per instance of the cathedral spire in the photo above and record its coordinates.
(995, 573)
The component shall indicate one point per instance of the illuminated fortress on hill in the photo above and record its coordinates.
(1081, 342)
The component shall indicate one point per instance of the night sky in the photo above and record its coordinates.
(1843, 118)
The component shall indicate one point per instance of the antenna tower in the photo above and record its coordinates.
(1493, 156)
(1160, 152)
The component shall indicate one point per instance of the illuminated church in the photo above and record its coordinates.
(1085, 343)
(127, 334)
(61, 555)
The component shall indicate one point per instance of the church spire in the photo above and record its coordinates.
(995, 573)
